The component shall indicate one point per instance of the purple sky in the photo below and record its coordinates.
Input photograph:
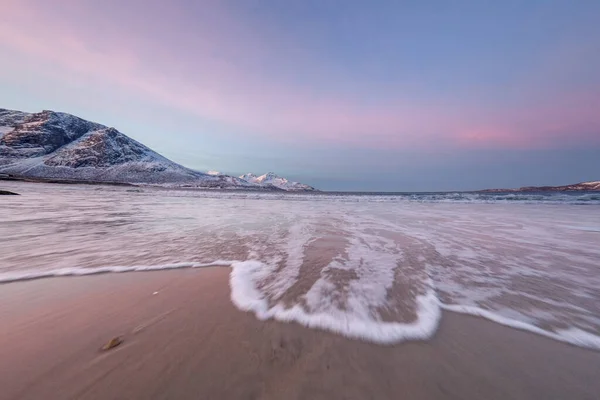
(345, 95)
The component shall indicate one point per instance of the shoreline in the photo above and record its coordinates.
(183, 338)
(572, 336)
(71, 182)
(525, 191)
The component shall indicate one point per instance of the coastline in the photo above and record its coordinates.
(183, 338)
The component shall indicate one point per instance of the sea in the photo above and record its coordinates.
(379, 267)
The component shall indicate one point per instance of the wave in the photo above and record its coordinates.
(246, 296)
(8, 277)
(574, 336)
(572, 198)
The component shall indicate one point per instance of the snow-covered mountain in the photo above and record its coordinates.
(271, 179)
(54, 145)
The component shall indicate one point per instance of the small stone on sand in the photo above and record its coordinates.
(114, 342)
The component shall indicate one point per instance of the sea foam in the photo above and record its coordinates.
(247, 297)
(574, 336)
(8, 277)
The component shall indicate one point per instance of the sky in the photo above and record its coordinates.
(341, 95)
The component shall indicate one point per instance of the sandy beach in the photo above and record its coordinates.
(183, 339)
(299, 200)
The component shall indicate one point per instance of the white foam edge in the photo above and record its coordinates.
(574, 336)
(247, 297)
(8, 277)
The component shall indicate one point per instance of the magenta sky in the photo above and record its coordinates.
(323, 90)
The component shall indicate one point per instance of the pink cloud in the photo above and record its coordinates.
(212, 68)
(566, 120)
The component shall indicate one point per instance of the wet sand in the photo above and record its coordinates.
(189, 342)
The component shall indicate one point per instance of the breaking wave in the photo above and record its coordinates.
(573, 198)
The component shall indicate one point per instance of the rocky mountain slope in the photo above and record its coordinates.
(54, 145)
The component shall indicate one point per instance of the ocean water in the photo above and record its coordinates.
(377, 267)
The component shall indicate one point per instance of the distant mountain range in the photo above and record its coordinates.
(583, 186)
(57, 146)
(270, 179)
